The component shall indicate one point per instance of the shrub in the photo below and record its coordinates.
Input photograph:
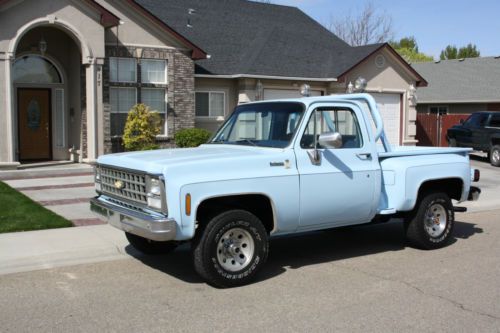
(191, 137)
(141, 128)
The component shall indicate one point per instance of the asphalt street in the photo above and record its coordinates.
(350, 279)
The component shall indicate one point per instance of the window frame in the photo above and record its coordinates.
(333, 108)
(438, 107)
(117, 74)
(209, 92)
(111, 112)
(165, 72)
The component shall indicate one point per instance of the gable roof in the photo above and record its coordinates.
(244, 37)
(460, 81)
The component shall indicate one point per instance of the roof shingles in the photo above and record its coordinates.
(244, 37)
(460, 81)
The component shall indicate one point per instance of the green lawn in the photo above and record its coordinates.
(20, 213)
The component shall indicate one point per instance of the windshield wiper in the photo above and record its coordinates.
(247, 141)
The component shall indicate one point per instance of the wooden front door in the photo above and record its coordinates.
(34, 121)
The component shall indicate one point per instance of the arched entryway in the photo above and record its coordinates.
(47, 87)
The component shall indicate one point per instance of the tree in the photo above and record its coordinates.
(141, 128)
(469, 51)
(368, 27)
(407, 47)
(451, 52)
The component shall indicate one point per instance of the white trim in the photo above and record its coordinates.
(209, 117)
(10, 105)
(270, 77)
(118, 75)
(113, 44)
(165, 72)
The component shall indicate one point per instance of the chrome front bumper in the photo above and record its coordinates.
(151, 226)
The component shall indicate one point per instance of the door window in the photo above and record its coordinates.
(325, 120)
(476, 120)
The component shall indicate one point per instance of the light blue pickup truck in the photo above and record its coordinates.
(281, 167)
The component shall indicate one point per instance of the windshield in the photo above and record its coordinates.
(264, 124)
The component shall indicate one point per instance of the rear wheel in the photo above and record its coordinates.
(231, 249)
(430, 224)
(495, 155)
(148, 246)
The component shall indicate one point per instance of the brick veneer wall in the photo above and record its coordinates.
(180, 110)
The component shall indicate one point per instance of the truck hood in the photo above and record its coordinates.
(209, 158)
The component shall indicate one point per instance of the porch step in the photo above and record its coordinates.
(48, 171)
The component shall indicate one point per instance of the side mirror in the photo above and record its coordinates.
(330, 140)
(462, 121)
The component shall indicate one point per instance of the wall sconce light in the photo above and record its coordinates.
(412, 95)
(42, 46)
(360, 84)
(350, 88)
(305, 90)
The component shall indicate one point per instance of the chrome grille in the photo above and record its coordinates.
(134, 188)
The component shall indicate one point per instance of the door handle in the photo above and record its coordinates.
(364, 156)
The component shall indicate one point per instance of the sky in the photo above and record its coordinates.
(434, 23)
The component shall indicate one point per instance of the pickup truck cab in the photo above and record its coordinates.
(275, 168)
(481, 131)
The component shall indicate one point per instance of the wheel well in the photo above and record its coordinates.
(495, 141)
(452, 187)
(257, 204)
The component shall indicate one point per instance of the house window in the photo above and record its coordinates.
(154, 71)
(438, 110)
(121, 101)
(156, 99)
(210, 104)
(123, 70)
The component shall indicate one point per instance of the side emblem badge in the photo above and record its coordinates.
(119, 185)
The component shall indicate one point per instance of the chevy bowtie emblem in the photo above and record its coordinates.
(119, 185)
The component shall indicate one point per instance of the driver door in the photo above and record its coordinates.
(340, 189)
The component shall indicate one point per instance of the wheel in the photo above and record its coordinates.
(452, 142)
(148, 246)
(231, 249)
(495, 155)
(430, 224)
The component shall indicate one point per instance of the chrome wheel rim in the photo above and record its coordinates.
(235, 249)
(495, 156)
(435, 220)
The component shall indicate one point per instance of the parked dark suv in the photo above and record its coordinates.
(481, 131)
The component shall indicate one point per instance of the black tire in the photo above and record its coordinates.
(148, 246)
(495, 155)
(218, 244)
(431, 232)
(452, 142)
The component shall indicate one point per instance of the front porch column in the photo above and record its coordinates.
(7, 141)
(100, 107)
(92, 113)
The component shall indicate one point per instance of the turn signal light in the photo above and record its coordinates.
(188, 204)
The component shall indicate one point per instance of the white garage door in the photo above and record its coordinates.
(286, 93)
(389, 106)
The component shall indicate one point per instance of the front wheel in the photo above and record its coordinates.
(430, 224)
(495, 155)
(148, 246)
(231, 249)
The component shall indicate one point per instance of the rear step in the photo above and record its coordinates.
(459, 209)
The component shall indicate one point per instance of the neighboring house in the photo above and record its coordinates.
(71, 69)
(456, 89)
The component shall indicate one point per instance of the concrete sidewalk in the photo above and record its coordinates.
(34, 250)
